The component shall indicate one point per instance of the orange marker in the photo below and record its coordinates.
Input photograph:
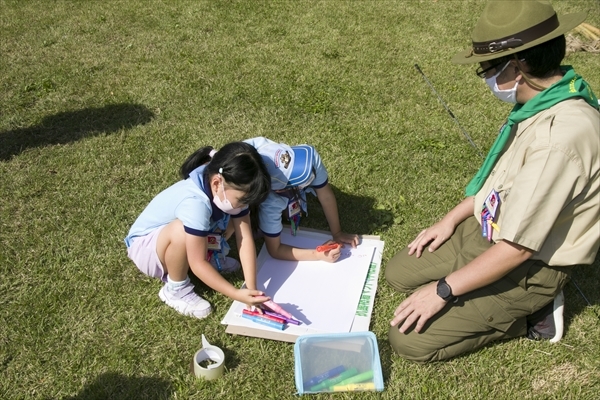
(327, 247)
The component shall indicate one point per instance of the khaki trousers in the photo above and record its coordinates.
(494, 312)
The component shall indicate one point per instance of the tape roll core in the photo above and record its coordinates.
(213, 371)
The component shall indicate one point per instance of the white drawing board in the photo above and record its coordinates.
(325, 297)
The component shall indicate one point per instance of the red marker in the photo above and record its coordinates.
(264, 316)
(327, 247)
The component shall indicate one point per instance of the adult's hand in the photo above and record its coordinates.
(434, 236)
(418, 308)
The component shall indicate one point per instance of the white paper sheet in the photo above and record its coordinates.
(322, 295)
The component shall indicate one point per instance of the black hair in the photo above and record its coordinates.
(544, 59)
(240, 165)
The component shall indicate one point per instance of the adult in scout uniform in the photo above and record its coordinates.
(494, 267)
(296, 171)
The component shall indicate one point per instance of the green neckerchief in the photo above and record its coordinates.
(571, 85)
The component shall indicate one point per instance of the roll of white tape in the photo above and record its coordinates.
(209, 361)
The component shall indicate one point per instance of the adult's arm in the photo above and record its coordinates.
(487, 268)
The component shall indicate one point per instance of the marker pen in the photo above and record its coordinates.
(364, 376)
(262, 321)
(325, 375)
(277, 308)
(332, 381)
(326, 247)
(277, 315)
(354, 387)
(259, 315)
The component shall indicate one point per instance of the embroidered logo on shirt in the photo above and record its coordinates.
(283, 157)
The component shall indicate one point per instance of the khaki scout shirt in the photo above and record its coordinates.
(548, 180)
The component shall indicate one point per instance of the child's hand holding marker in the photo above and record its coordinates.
(271, 314)
(329, 251)
(251, 297)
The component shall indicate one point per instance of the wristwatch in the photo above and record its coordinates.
(445, 291)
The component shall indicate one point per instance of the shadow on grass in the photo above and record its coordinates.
(581, 291)
(358, 214)
(70, 126)
(116, 387)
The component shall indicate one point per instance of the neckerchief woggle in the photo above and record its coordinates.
(571, 85)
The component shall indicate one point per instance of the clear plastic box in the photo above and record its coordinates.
(337, 362)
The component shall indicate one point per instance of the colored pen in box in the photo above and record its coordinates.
(325, 375)
(259, 315)
(352, 387)
(332, 381)
(362, 377)
(263, 321)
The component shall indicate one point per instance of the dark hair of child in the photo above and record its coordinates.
(240, 165)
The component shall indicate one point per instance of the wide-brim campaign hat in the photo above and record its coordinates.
(510, 26)
(288, 166)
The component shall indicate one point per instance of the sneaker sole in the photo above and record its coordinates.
(559, 305)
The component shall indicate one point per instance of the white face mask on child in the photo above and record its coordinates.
(508, 95)
(225, 205)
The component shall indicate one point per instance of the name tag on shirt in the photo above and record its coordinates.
(492, 201)
(294, 208)
(214, 241)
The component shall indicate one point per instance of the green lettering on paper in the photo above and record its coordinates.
(365, 298)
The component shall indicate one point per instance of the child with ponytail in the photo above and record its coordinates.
(181, 227)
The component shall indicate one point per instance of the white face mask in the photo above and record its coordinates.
(225, 205)
(508, 95)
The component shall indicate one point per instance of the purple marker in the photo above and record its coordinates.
(277, 315)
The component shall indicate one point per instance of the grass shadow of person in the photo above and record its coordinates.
(581, 294)
(69, 126)
(115, 386)
(358, 214)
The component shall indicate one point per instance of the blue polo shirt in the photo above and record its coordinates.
(189, 201)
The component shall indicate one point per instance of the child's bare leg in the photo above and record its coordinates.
(170, 247)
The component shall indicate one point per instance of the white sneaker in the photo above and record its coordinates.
(227, 264)
(185, 301)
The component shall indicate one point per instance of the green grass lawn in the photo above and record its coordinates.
(101, 101)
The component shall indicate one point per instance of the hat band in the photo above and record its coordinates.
(519, 39)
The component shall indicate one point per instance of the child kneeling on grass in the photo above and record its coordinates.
(180, 228)
(296, 171)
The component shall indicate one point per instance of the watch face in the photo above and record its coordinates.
(443, 290)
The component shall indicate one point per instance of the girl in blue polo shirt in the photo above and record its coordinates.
(295, 171)
(180, 228)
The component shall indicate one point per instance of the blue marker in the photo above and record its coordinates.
(325, 375)
(262, 321)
